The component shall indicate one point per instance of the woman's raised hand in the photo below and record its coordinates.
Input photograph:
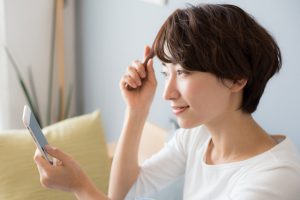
(138, 85)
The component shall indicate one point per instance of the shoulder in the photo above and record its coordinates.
(286, 152)
(282, 156)
(276, 173)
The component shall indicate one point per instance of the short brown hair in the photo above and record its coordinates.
(224, 40)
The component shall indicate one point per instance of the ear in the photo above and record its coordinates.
(238, 85)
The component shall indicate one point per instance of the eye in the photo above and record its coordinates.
(165, 74)
(182, 72)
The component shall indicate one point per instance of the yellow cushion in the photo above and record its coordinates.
(82, 137)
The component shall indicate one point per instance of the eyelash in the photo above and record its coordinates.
(182, 72)
(178, 72)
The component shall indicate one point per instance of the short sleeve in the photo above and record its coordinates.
(161, 169)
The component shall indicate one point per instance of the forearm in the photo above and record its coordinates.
(125, 167)
(91, 194)
(88, 191)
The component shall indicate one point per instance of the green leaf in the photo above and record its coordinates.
(35, 100)
(22, 84)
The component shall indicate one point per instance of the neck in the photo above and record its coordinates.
(236, 137)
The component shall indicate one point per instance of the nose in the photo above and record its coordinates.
(171, 91)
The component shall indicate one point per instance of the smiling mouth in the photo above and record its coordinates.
(179, 109)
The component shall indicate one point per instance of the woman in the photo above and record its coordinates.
(217, 61)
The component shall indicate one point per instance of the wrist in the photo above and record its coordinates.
(88, 191)
(137, 113)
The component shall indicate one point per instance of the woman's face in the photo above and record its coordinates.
(196, 97)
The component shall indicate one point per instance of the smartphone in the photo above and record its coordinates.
(34, 128)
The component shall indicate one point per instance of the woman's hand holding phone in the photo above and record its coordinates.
(66, 174)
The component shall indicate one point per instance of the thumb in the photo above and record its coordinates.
(150, 70)
(56, 153)
(146, 52)
(40, 161)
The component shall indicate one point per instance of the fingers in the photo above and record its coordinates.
(57, 153)
(41, 162)
(134, 75)
(127, 82)
(139, 71)
(44, 168)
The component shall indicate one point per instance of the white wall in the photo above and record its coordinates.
(3, 71)
(110, 34)
(27, 34)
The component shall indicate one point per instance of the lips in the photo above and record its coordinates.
(179, 109)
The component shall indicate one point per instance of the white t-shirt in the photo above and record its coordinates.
(274, 174)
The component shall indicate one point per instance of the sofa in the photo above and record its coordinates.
(83, 138)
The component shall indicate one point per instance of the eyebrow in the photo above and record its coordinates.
(164, 64)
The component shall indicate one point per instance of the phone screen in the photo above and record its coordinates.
(36, 132)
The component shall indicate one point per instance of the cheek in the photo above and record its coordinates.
(207, 97)
(206, 100)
